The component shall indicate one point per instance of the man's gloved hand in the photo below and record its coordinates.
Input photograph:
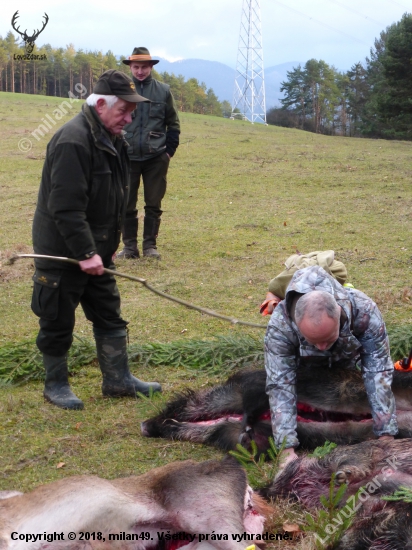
(267, 307)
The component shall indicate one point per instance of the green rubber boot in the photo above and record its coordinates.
(57, 388)
(112, 355)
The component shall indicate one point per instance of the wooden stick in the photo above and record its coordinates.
(143, 282)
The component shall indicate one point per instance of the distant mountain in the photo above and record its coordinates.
(215, 75)
(221, 77)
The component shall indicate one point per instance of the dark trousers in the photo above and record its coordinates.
(56, 295)
(153, 173)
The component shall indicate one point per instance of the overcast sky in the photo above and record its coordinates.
(341, 32)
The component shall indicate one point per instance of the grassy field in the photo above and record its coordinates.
(241, 198)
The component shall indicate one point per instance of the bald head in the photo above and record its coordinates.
(317, 316)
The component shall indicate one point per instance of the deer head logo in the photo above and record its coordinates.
(28, 40)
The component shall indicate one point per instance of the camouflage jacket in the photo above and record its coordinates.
(362, 334)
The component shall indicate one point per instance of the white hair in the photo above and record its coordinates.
(94, 98)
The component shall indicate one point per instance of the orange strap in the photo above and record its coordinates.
(265, 305)
(399, 366)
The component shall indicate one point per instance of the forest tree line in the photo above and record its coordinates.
(372, 99)
(62, 68)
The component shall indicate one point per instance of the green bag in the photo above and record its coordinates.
(325, 259)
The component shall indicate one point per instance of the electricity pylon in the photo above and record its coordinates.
(249, 93)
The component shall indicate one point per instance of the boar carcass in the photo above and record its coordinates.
(332, 406)
(370, 470)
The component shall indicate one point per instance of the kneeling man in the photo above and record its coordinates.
(320, 322)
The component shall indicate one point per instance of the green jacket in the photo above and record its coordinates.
(155, 127)
(83, 192)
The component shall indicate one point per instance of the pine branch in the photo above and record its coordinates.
(322, 451)
(403, 493)
(260, 472)
(21, 362)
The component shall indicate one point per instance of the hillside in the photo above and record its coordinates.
(241, 198)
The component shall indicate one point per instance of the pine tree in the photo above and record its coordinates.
(395, 106)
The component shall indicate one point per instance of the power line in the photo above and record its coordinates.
(358, 13)
(397, 3)
(320, 22)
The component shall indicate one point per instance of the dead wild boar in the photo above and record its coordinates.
(376, 468)
(332, 405)
(165, 509)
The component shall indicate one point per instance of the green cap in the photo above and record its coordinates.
(114, 82)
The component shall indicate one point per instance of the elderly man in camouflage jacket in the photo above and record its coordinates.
(320, 321)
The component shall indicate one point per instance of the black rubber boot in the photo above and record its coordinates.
(150, 232)
(129, 236)
(56, 388)
(114, 364)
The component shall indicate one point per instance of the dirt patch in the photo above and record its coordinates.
(21, 269)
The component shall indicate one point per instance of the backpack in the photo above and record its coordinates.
(325, 259)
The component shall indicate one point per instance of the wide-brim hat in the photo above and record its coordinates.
(116, 83)
(141, 54)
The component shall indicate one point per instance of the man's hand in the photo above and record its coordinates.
(92, 266)
(386, 436)
(286, 456)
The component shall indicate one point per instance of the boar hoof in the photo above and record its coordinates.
(342, 476)
(245, 440)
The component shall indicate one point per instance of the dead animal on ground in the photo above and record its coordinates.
(380, 467)
(165, 509)
(332, 406)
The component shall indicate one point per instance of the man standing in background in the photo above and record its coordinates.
(153, 138)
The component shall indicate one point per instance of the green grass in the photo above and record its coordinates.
(240, 199)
